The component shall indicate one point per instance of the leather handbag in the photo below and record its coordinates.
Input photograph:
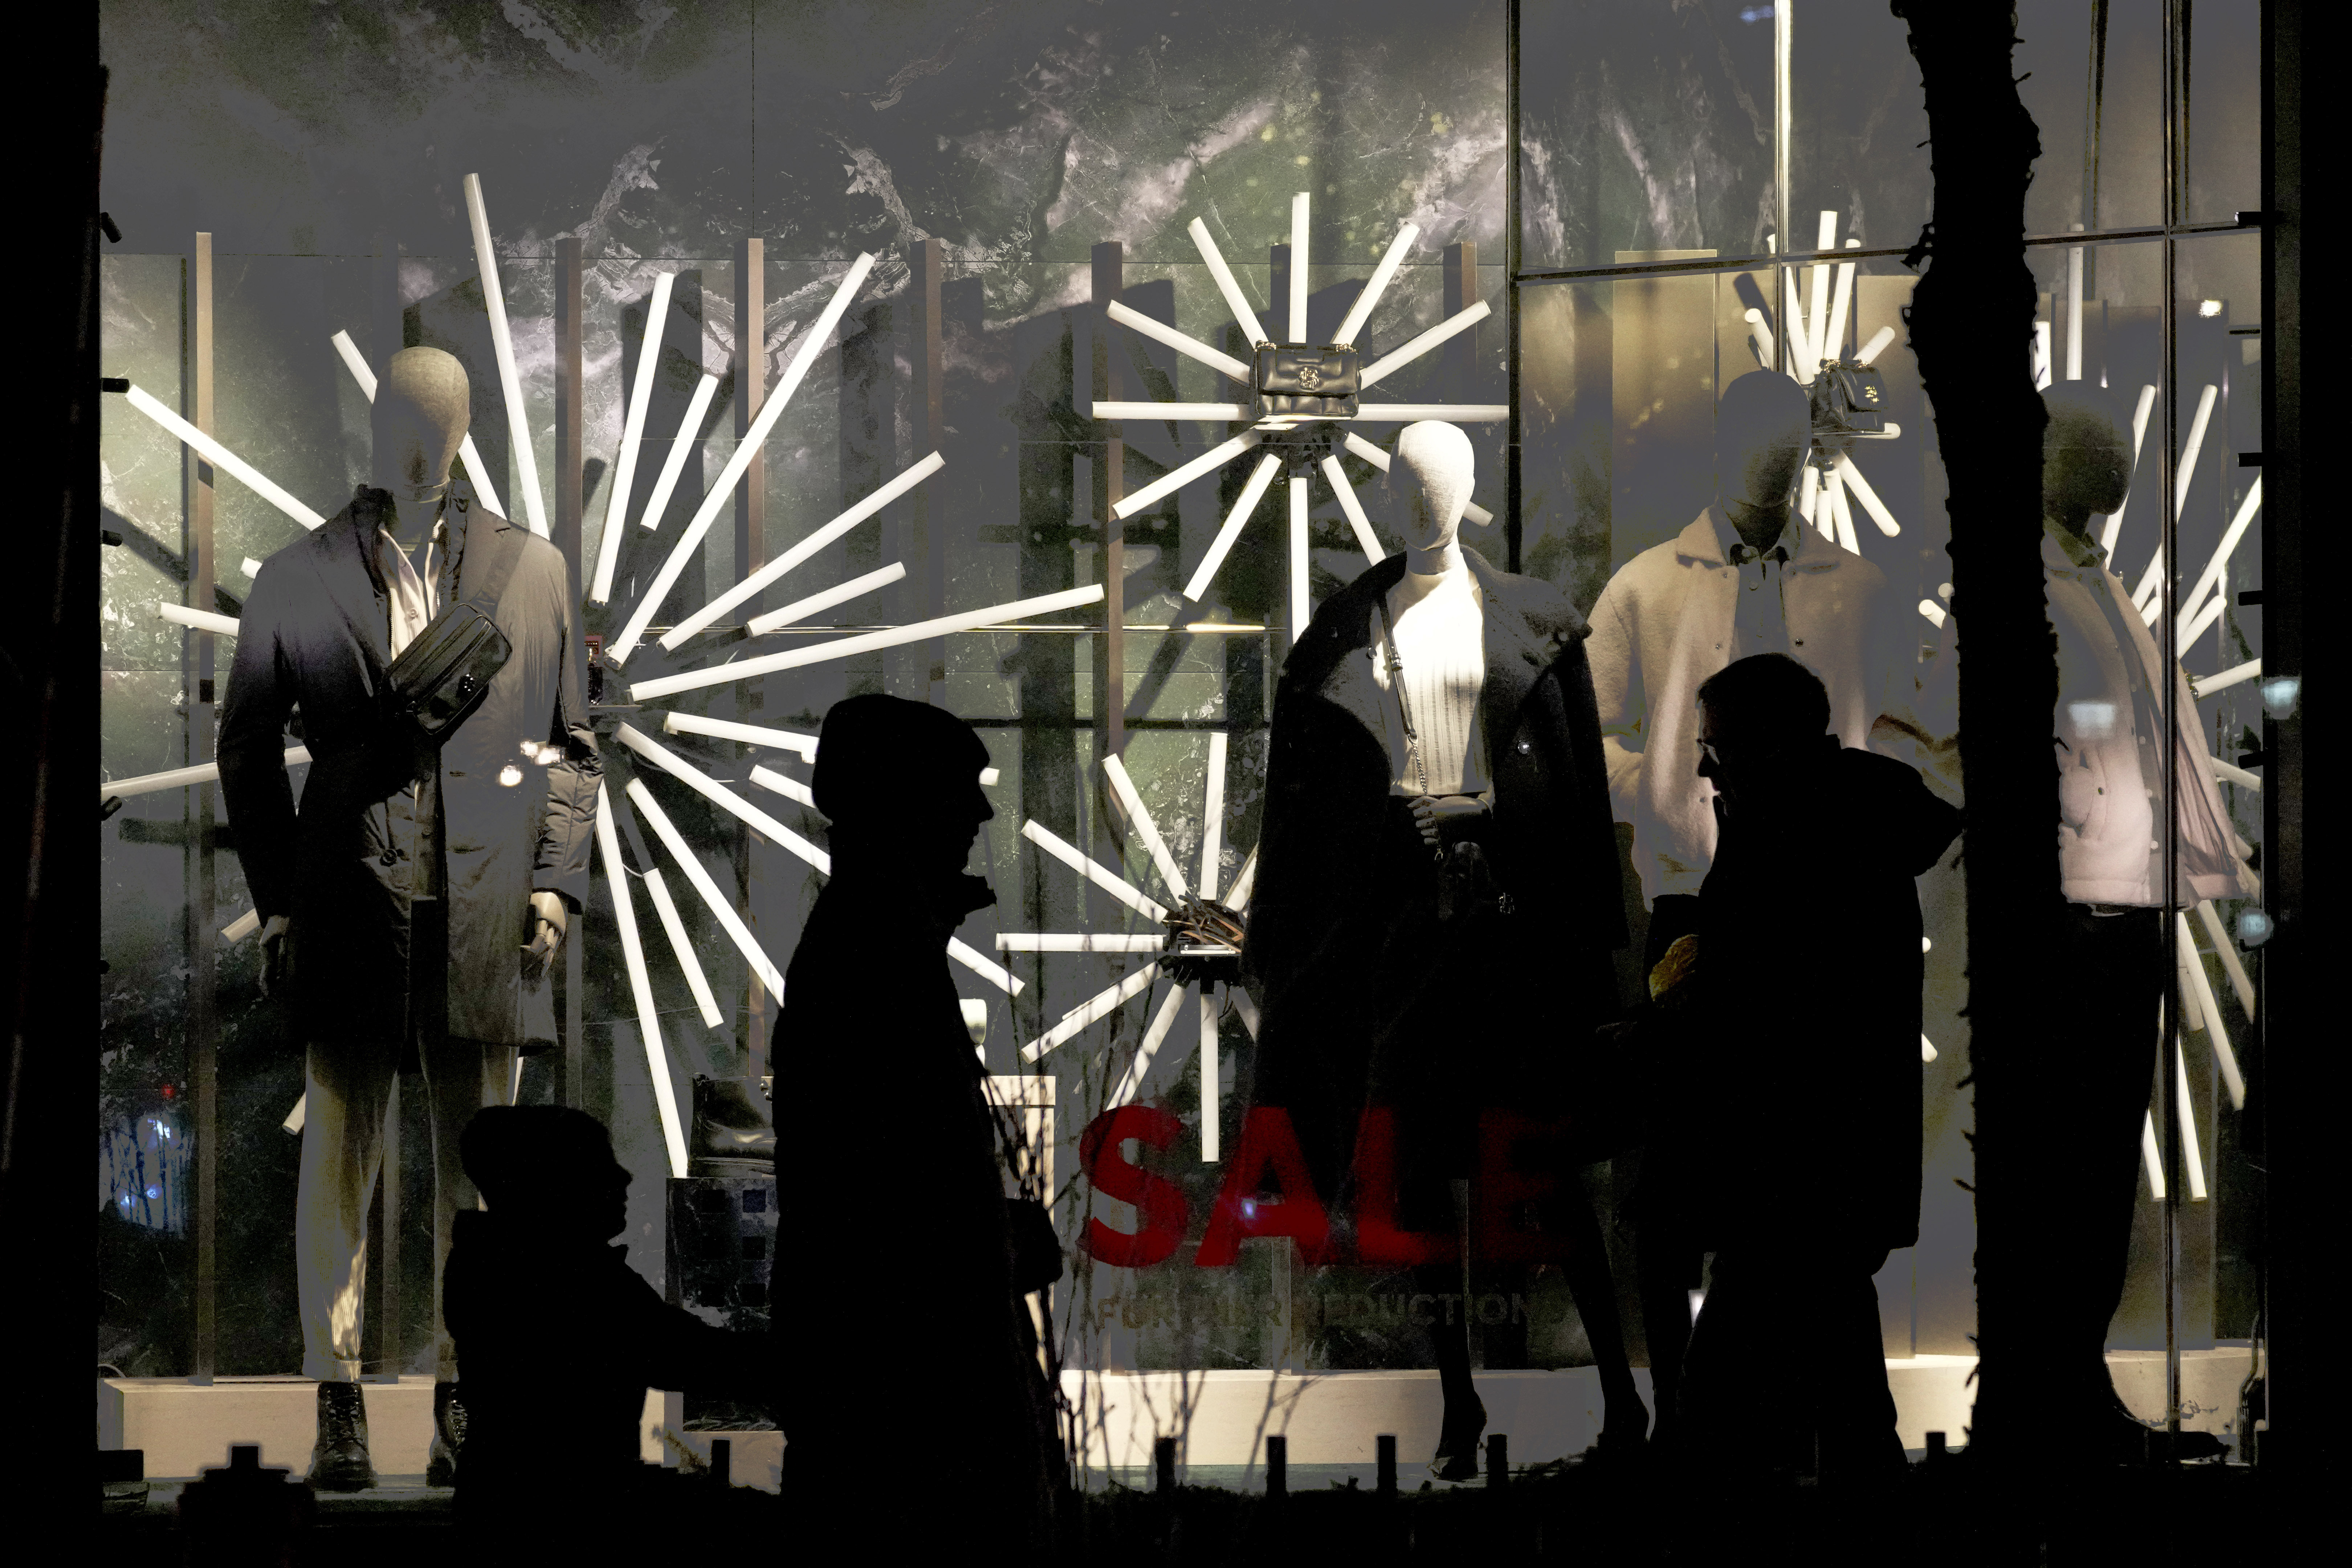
(1297, 381)
(444, 674)
(1850, 399)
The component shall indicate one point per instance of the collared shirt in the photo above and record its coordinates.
(417, 587)
(1759, 614)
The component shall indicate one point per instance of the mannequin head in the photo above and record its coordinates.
(899, 782)
(1763, 427)
(422, 407)
(1436, 469)
(2085, 456)
(548, 1165)
(1763, 729)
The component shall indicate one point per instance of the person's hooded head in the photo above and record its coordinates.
(900, 783)
(547, 1169)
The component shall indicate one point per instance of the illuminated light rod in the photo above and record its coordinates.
(1183, 343)
(220, 457)
(714, 500)
(180, 777)
(801, 610)
(845, 647)
(2148, 598)
(476, 470)
(633, 430)
(721, 907)
(1366, 413)
(759, 581)
(2226, 950)
(680, 448)
(2198, 992)
(2198, 612)
(750, 734)
(641, 985)
(719, 795)
(202, 620)
(526, 461)
(2116, 518)
(1362, 311)
(2222, 682)
(682, 946)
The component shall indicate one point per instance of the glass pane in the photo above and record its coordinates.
(2222, 140)
(1858, 120)
(2092, 77)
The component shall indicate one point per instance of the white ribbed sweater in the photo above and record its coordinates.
(1441, 642)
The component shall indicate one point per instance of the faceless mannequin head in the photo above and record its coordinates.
(421, 408)
(2085, 456)
(1435, 468)
(1762, 428)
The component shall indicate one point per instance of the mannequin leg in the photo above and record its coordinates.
(1669, 1270)
(1594, 1290)
(461, 1077)
(346, 1090)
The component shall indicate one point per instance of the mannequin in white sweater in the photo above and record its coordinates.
(1442, 766)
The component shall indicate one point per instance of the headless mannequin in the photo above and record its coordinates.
(1435, 467)
(423, 406)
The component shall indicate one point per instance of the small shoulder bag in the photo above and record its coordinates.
(444, 674)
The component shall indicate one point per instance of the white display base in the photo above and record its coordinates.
(1220, 1419)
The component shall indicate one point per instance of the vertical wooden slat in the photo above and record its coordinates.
(204, 1066)
(1461, 293)
(927, 508)
(1110, 487)
(750, 554)
(388, 1293)
(570, 523)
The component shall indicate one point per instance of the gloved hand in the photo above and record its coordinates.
(1429, 810)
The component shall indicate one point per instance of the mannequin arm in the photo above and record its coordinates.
(567, 830)
(1615, 661)
(255, 789)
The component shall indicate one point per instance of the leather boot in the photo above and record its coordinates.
(339, 1462)
(734, 1128)
(448, 1437)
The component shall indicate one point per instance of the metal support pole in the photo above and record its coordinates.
(1111, 488)
(927, 511)
(570, 504)
(1511, 258)
(388, 1291)
(2168, 630)
(203, 1029)
(750, 554)
(1784, 24)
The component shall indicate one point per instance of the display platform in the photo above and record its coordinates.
(1220, 1419)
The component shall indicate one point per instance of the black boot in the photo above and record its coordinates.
(339, 1462)
(448, 1435)
(734, 1128)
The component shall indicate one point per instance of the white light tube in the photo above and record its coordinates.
(243, 927)
(1369, 541)
(1243, 505)
(1934, 611)
(1380, 460)
(2211, 577)
(1298, 268)
(200, 619)
(1840, 299)
(2223, 681)
(719, 795)
(1183, 343)
(1163, 1021)
(1243, 317)
(1176, 478)
(1087, 866)
(2227, 951)
(1078, 942)
(1809, 489)
(2040, 356)
(1825, 238)
(721, 908)
(783, 784)
(2075, 313)
(502, 344)
(2188, 634)
(716, 500)
(180, 777)
(250, 567)
(1927, 1049)
(1130, 802)
(1875, 347)
(641, 984)
(800, 610)
(866, 642)
(1211, 1073)
(803, 549)
(1804, 361)
(752, 734)
(1239, 996)
(1461, 320)
(996, 974)
(1083, 1017)
(2192, 1154)
(2192, 965)
(1301, 609)
(1755, 320)
(1171, 410)
(221, 458)
(293, 1122)
(2139, 430)
(475, 469)
(1212, 814)
(2151, 1156)
(1237, 896)
(1868, 496)
(1361, 310)
(697, 407)
(632, 431)
(683, 946)
(1840, 512)
(2149, 594)
(1407, 413)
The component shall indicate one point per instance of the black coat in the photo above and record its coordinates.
(1336, 935)
(343, 866)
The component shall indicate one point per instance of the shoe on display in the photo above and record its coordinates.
(1456, 1459)
(448, 1435)
(734, 1128)
(339, 1461)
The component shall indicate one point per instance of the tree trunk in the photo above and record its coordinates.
(1976, 296)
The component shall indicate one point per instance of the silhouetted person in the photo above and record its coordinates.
(1801, 1158)
(913, 1406)
(2108, 963)
(562, 1338)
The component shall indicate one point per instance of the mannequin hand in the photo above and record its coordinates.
(1429, 810)
(273, 951)
(546, 921)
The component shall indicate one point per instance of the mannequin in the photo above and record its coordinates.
(413, 902)
(1748, 575)
(1435, 901)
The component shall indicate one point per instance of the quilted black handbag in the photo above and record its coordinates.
(444, 674)
(1295, 382)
